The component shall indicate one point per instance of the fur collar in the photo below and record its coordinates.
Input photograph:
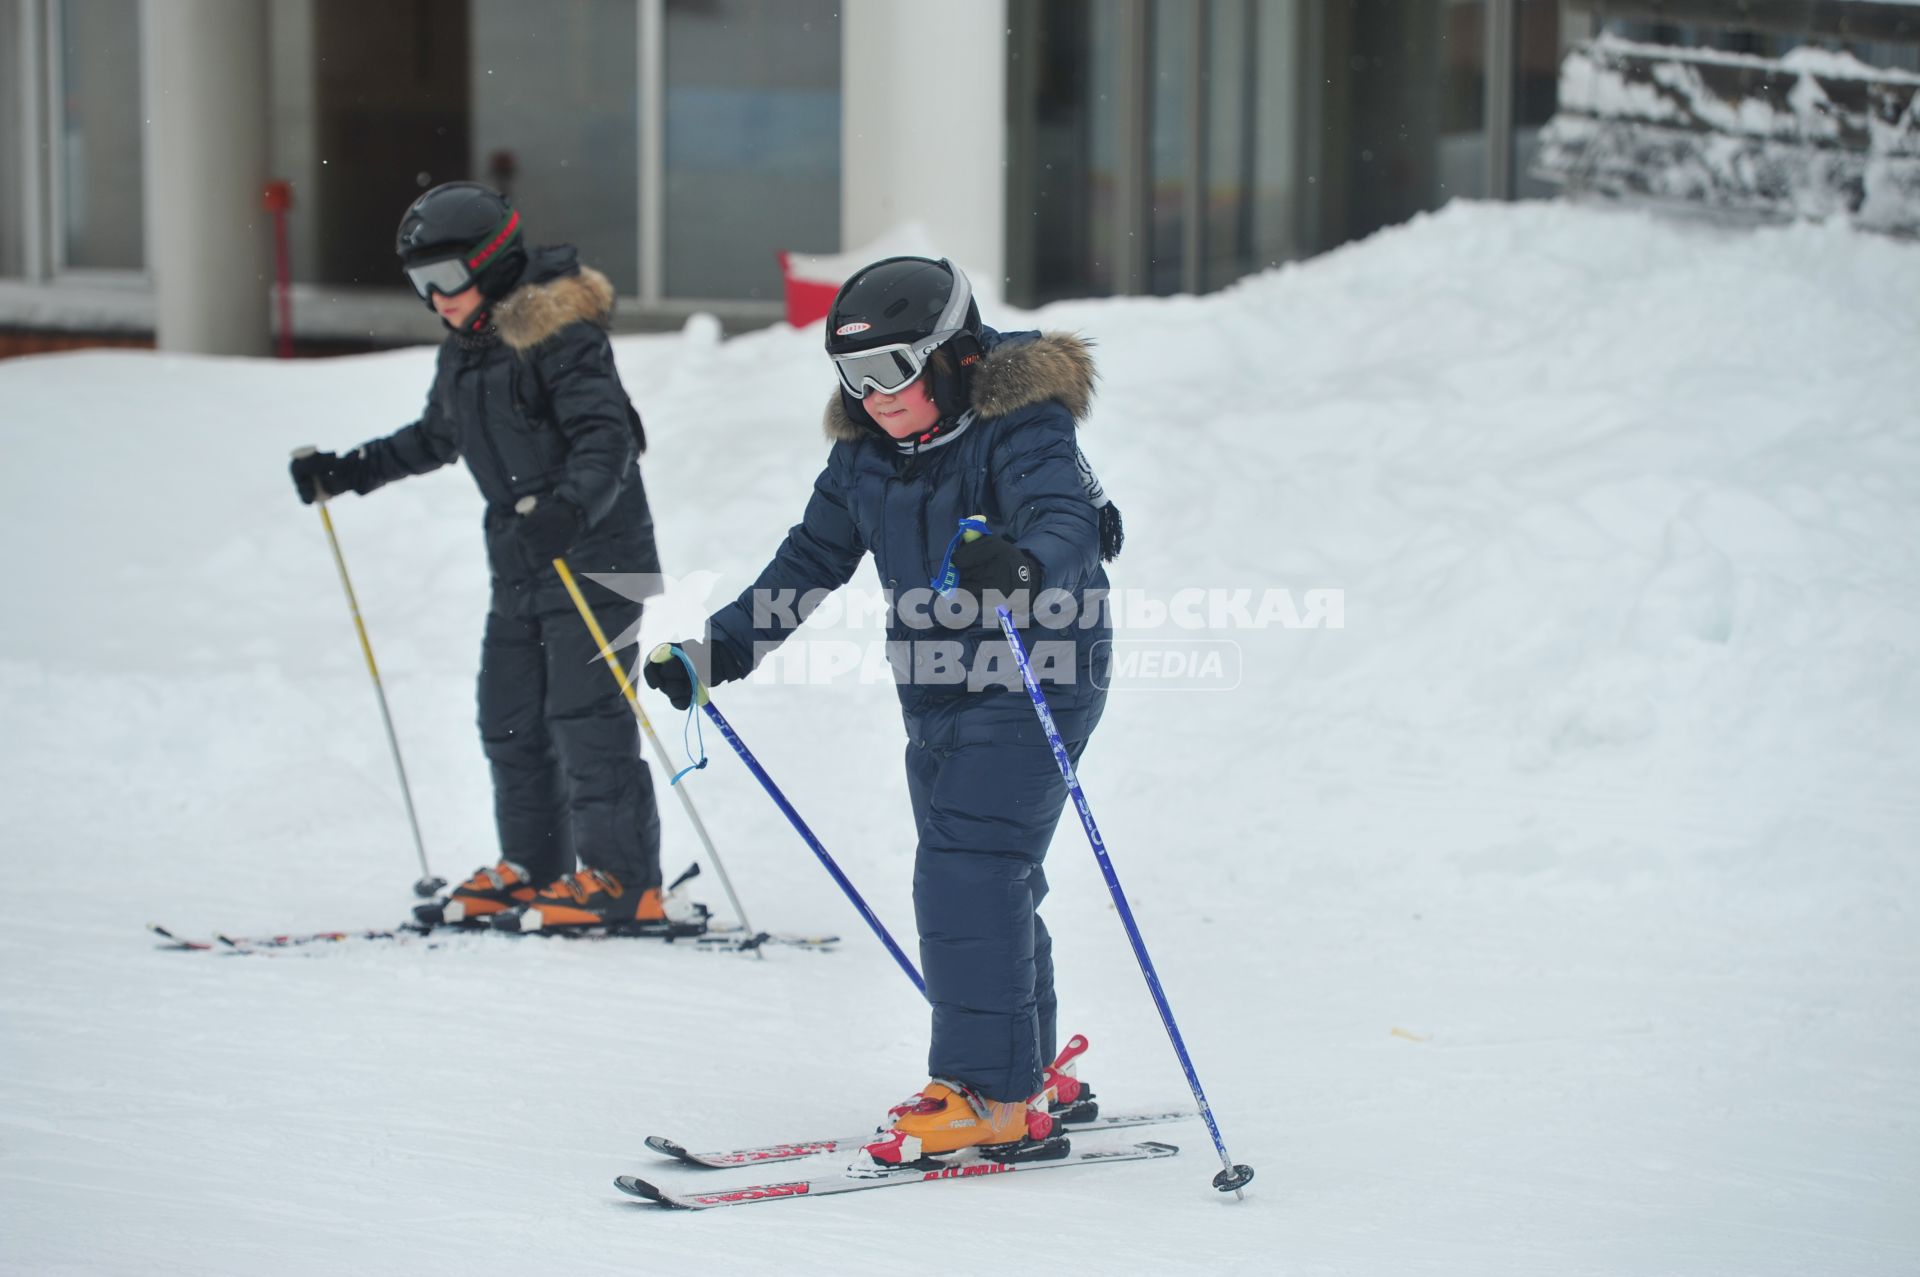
(1015, 374)
(532, 313)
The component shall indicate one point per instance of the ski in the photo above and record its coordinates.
(411, 933)
(726, 1159)
(222, 942)
(732, 938)
(826, 1185)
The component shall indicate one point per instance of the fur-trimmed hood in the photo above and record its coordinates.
(555, 291)
(1019, 371)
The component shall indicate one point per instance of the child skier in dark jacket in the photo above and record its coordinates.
(525, 392)
(939, 418)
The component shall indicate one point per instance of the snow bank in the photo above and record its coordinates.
(1553, 912)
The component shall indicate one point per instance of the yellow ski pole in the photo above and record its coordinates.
(428, 884)
(523, 506)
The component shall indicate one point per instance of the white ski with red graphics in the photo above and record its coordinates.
(727, 1159)
(1071, 1102)
(842, 1182)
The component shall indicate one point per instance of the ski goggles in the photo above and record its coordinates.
(455, 272)
(891, 369)
(888, 369)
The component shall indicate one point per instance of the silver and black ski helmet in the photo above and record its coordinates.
(890, 316)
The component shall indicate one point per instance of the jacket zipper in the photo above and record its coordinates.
(493, 445)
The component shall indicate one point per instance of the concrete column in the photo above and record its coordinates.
(923, 127)
(209, 243)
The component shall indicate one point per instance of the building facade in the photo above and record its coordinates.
(1056, 148)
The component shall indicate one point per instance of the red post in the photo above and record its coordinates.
(278, 199)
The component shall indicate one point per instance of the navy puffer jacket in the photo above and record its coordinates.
(1013, 459)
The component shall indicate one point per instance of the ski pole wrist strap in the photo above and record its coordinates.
(697, 697)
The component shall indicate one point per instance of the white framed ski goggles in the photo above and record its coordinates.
(888, 369)
(454, 273)
(446, 276)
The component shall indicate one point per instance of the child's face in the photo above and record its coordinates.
(458, 308)
(908, 413)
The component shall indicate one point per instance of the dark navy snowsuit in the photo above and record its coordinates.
(535, 408)
(985, 788)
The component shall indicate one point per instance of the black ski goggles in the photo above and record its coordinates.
(455, 272)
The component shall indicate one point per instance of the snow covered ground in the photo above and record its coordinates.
(1555, 913)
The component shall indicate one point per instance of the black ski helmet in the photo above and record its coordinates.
(473, 221)
(915, 302)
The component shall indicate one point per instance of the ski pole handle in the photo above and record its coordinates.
(947, 579)
(320, 495)
(666, 653)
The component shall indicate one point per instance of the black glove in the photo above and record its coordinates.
(670, 676)
(997, 564)
(322, 475)
(551, 527)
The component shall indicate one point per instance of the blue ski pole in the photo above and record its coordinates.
(667, 652)
(1232, 1177)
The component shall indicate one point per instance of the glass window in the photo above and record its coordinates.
(555, 124)
(13, 83)
(389, 106)
(1088, 186)
(1104, 259)
(1463, 101)
(1403, 126)
(1536, 88)
(101, 155)
(1280, 102)
(753, 142)
(1064, 196)
(1229, 86)
(1169, 143)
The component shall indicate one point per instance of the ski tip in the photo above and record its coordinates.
(667, 1148)
(634, 1186)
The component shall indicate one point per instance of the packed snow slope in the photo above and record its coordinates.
(1554, 912)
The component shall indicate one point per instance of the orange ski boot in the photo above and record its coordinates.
(488, 892)
(946, 1117)
(596, 898)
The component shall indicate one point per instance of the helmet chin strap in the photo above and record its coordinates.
(475, 324)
